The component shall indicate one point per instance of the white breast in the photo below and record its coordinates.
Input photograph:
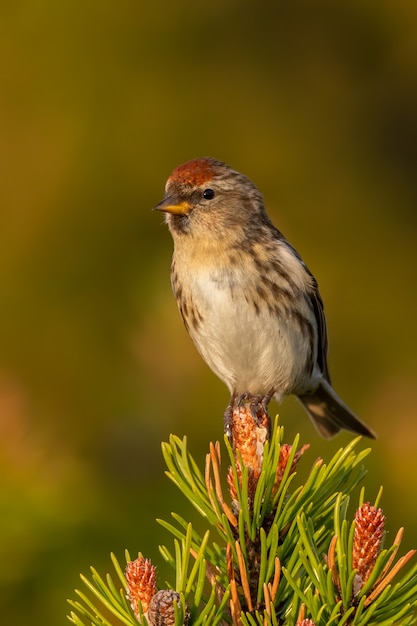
(250, 348)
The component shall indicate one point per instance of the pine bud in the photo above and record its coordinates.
(367, 539)
(249, 433)
(250, 430)
(284, 455)
(141, 583)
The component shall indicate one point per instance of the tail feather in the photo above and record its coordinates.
(330, 414)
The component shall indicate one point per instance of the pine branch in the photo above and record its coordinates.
(274, 553)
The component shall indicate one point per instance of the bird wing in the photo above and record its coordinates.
(322, 341)
(317, 306)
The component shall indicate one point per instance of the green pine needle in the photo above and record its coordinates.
(281, 522)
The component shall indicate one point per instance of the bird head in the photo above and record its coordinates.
(206, 198)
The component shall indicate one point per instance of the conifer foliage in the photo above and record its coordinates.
(273, 553)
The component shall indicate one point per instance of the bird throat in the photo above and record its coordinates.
(179, 224)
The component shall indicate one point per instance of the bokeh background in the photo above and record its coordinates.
(315, 101)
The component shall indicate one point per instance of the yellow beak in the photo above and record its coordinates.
(169, 205)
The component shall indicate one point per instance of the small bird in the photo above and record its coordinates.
(248, 301)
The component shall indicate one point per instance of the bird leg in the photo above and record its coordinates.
(228, 417)
(266, 399)
(259, 409)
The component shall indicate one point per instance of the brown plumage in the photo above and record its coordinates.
(248, 301)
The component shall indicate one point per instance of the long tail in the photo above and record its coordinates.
(330, 414)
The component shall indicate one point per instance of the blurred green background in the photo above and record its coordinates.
(317, 103)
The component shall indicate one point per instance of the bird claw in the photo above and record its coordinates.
(228, 421)
(258, 406)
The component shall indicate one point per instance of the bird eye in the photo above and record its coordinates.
(208, 194)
